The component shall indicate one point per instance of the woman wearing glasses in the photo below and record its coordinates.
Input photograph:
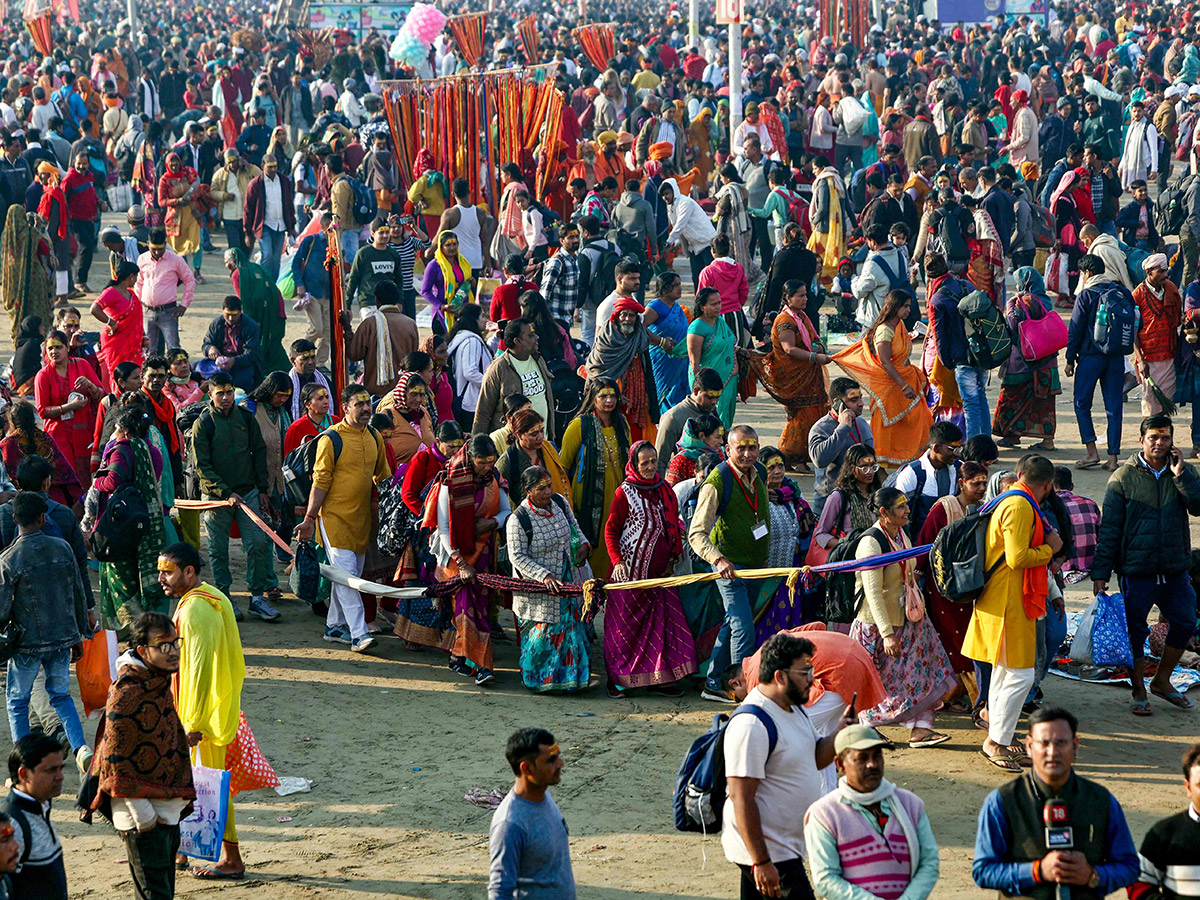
(849, 506)
(892, 626)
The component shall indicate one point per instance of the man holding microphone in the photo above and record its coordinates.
(1051, 833)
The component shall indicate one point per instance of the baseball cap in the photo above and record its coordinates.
(859, 737)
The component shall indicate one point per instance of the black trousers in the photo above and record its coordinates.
(152, 861)
(698, 262)
(793, 882)
(85, 234)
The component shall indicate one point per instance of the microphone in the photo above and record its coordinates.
(1059, 836)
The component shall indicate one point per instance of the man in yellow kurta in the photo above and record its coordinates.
(208, 694)
(1003, 627)
(340, 504)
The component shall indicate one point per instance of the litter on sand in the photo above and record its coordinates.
(484, 798)
(293, 784)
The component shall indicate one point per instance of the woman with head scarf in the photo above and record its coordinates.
(792, 526)
(66, 391)
(263, 303)
(412, 426)
(52, 208)
(25, 437)
(647, 642)
(177, 191)
(700, 135)
(1027, 387)
(733, 219)
(28, 283)
(544, 546)
(120, 311)
(702, 434)
(1071, 206)
(594, 448)
(470, 509)
(430, 193)
(27, 359)
(447, 285)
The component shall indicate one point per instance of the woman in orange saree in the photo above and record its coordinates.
(900, 418)
(793, 372)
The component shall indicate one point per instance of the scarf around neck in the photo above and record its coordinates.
(885, 791)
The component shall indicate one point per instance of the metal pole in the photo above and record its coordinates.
(131, 9)
(735, 75)
(694, 23)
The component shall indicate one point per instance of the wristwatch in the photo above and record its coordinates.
(1094, 881)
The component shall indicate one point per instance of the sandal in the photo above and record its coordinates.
(1173, 697)
(978, 720)
(930, 740)
(1001, 762)
(212, 874)
(665, 690)
(275, 594)
(1140, 707)
(1086, 463)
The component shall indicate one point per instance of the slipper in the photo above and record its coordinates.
(1140, 708)
(1173, 697)
(211, 874)
(182, 866)
(930, 740)
(1001, 762)
(1087, 463)
(978, 720)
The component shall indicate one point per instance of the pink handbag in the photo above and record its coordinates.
(1041, 337)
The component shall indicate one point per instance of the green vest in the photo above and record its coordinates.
(1023, 800)
(733, 528)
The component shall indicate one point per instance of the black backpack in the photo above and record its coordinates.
(988, 340)
(1170, 207)
(949, 237)
(602, 277)
(843, 599)
(299, 464)
(957, 557)
(526, 523)
(122, 525)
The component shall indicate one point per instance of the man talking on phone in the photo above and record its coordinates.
(1144, 539)
(832, 435)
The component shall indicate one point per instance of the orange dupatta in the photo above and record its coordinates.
(1035, 581)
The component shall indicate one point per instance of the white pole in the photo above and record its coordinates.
(131, 11)
(694, 23)
(735, 76)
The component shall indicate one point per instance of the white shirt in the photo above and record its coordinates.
(906, 481)
(273, 191)
(764, 137)
(691, 228)
(788, 779)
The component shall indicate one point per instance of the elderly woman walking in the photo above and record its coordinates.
(544, 545)
(893, 627)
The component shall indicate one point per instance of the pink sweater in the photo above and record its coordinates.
(729, 278)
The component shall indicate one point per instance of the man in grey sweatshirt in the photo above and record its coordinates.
(635, 216)
(832, 435)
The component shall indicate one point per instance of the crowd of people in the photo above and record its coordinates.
(570, 432)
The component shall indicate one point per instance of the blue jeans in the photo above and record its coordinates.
(1052, 631)
(1108, 227)
(350, 242)
(587, 326)
(22, 670)
(1109, 373)
(260, 573)
(271, 244)
(735, 640)
(972, 385)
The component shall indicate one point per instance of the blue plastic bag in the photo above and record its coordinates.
(1110, 633)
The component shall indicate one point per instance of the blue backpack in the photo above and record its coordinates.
(366, 204)
(700, 784)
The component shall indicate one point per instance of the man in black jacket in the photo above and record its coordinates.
(36, 769)
(232, 342)
(1056, 133)
(1136, 219)
(1144, 537)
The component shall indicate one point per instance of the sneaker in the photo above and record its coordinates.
(264, 610)
(83, 759)
(459, 667)
(484, 676)
(337, 634)
(200, 279)
(363, 644)
(716, 695)
(83, 288)
(238, 615)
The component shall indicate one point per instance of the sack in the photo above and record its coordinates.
(121, 526)
(120, 196)
(200, 834)
(700, 784)
(366, 205)
(247, 767)
(96, 670)
(988, 340)
(1044, 232)
(958, 554)
(395, 519)
(1102, 638)
(1170, 206)
(286, 283)
(1043, 336)
(1057, 274)
(914, 603)
(1185, 130)
(949, 240)
(1117, 320)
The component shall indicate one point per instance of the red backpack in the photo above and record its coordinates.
(797, 208)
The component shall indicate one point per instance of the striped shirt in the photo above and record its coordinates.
(407, 250)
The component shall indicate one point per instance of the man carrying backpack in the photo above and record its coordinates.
(950, 333)
(772, 783)
(230, 460)
(883, 271)
(1101, 334)
(933, 475)
(949, 227)
(598, 260)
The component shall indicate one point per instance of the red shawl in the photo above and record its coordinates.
(463, 485)
(164, 413)
(655, 486)
(50, 193)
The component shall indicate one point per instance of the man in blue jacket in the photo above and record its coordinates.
(312, 287)
(1095, 366)
(951, 335)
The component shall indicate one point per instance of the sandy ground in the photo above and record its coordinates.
(392, 742)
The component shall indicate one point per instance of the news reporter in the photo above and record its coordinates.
(1011, 855)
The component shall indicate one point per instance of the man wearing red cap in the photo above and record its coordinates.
(1023, 140)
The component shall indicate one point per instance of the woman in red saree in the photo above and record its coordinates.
(470, 507)
(121, 312)
(647, 641)
(65, 392)
(793, 372)
(176, 193)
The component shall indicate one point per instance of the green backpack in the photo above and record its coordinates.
(988, 340)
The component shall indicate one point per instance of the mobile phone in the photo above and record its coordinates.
(838, 405)
(853, 703)
(406, 220)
